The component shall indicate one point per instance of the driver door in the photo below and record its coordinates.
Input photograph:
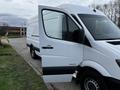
(60, 53)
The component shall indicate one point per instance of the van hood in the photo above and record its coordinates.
(109, 48)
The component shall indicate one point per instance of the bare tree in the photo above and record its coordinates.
(117, 3)
(112, 10)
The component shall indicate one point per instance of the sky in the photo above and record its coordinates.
(28, 8)
(21, 8)
(78, 2)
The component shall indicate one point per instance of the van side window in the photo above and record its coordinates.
(53, 24)
(59, 25)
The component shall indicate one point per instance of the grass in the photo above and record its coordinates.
(17, 36)
(16, 74)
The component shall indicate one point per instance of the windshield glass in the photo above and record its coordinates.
(100, 27)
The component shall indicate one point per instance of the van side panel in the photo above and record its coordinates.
(33, 33)
(104, 61)
(96, 66)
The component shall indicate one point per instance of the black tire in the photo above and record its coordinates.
(32, 53)
(91, 80)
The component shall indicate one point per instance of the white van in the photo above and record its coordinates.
(80, 40)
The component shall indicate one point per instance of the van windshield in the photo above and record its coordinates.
(100, 27)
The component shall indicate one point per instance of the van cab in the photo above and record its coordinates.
(77, 40)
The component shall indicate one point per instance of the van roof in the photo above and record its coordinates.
(76, 9)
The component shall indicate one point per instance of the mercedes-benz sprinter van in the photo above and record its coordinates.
(80, 40)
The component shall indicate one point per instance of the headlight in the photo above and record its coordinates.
(118, 62)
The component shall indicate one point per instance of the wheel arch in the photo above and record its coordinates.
(91, 65)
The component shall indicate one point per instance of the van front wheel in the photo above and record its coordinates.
(92, 81)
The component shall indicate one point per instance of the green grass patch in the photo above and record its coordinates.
(17, 36)
(16, 74)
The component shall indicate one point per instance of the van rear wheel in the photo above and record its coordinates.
(91, 80)
(32, 53)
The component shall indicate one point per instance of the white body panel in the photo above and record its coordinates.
(101, 56)
(33, 33)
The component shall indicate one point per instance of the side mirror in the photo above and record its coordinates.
(78, 36)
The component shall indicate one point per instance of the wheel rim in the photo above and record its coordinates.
(91, 84)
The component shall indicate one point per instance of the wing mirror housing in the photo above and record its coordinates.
(78, 36)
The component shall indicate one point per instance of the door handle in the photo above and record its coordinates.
(47, 47)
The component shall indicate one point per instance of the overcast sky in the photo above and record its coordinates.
(22, 8)
(78, 2)
(28, 8)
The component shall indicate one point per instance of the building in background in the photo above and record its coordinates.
(13, 31)
(16, 31)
